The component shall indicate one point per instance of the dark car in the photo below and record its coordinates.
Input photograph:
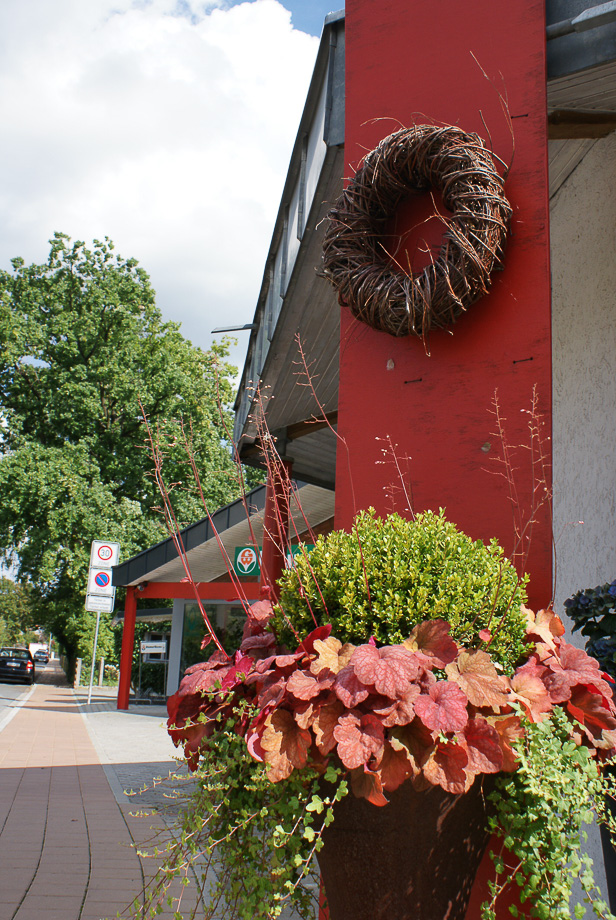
(41, 655)
(16, 664)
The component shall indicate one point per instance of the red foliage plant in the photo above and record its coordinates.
(427, 710)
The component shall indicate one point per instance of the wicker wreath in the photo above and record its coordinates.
(356, 261)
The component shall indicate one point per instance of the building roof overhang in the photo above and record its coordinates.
(208, 541)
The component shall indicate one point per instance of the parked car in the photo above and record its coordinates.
(41, 654)
(17, 664)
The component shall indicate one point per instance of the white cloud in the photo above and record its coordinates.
(164, 124)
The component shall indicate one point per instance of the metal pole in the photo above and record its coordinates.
(98, 619)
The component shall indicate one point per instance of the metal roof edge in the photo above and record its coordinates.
(142, 563)
(319, 74)
(139, 566)
(335, 16)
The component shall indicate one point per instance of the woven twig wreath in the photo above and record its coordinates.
(356, 261)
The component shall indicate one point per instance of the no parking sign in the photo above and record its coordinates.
(99, 582)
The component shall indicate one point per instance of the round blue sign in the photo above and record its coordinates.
(101, 579)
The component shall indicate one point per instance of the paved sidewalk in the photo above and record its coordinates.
(66, 829)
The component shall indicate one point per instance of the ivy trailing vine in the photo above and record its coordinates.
(249, 843)
(540, 811)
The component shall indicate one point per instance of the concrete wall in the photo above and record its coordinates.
(583, 238)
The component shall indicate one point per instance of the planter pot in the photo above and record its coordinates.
(413, 859)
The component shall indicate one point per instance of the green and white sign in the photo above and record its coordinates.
(297, 550)
(247, 558)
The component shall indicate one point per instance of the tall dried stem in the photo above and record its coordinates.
(172, 523)
(538, 493)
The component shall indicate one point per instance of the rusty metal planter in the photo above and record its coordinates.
(414, 859)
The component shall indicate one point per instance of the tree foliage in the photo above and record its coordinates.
(17, 620)
(83, 349)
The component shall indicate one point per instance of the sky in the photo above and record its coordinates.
(166, 125)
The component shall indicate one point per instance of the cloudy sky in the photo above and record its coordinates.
(166, 125)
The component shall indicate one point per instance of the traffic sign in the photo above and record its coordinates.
(104, 554)
(99, 582)
(96, 603)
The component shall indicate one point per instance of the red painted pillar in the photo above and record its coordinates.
(453, 63)
(128, 643)
(275, 525)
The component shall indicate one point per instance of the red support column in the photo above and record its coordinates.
(454, 64)
(275, 527)
(128, 643)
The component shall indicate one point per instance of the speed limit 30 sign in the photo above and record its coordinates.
(104, 554)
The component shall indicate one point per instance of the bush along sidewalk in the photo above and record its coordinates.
(401, 674)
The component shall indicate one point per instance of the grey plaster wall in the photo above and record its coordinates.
(583, 243)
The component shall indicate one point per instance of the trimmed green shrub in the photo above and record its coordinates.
(388, 575)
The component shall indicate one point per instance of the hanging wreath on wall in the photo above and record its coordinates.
(357, 262)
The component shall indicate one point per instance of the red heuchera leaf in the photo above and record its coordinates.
(591, 712)
(258, 616)
(253, 736)
(366, 784)
(324, 723)
(283, 664)
(544, 625)
(482, 746)
(305, 712)
(194, 693)
(570, 666)
(478, 678)
(443, 708)
(400, 711)
(389, 669)
(445, 767)
(415, 738)
(608, 742)
(432, 643)
(193, 736)
(331, 654)
(394, 766)
(321, 632)
(304, 686)
(261, 612)
(217, 659)
(509, 729)
(359, 738)
(285, 745)
(259, 645)
(349, 689)
(530, 691)
(271, 691)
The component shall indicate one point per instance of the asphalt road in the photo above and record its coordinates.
(12, 693)
(9, 692)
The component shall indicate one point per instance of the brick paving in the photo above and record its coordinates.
(66, 843)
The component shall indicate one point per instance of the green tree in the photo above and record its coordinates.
(83, 348)
(17, 618)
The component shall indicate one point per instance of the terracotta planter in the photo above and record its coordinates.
(414, 859)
